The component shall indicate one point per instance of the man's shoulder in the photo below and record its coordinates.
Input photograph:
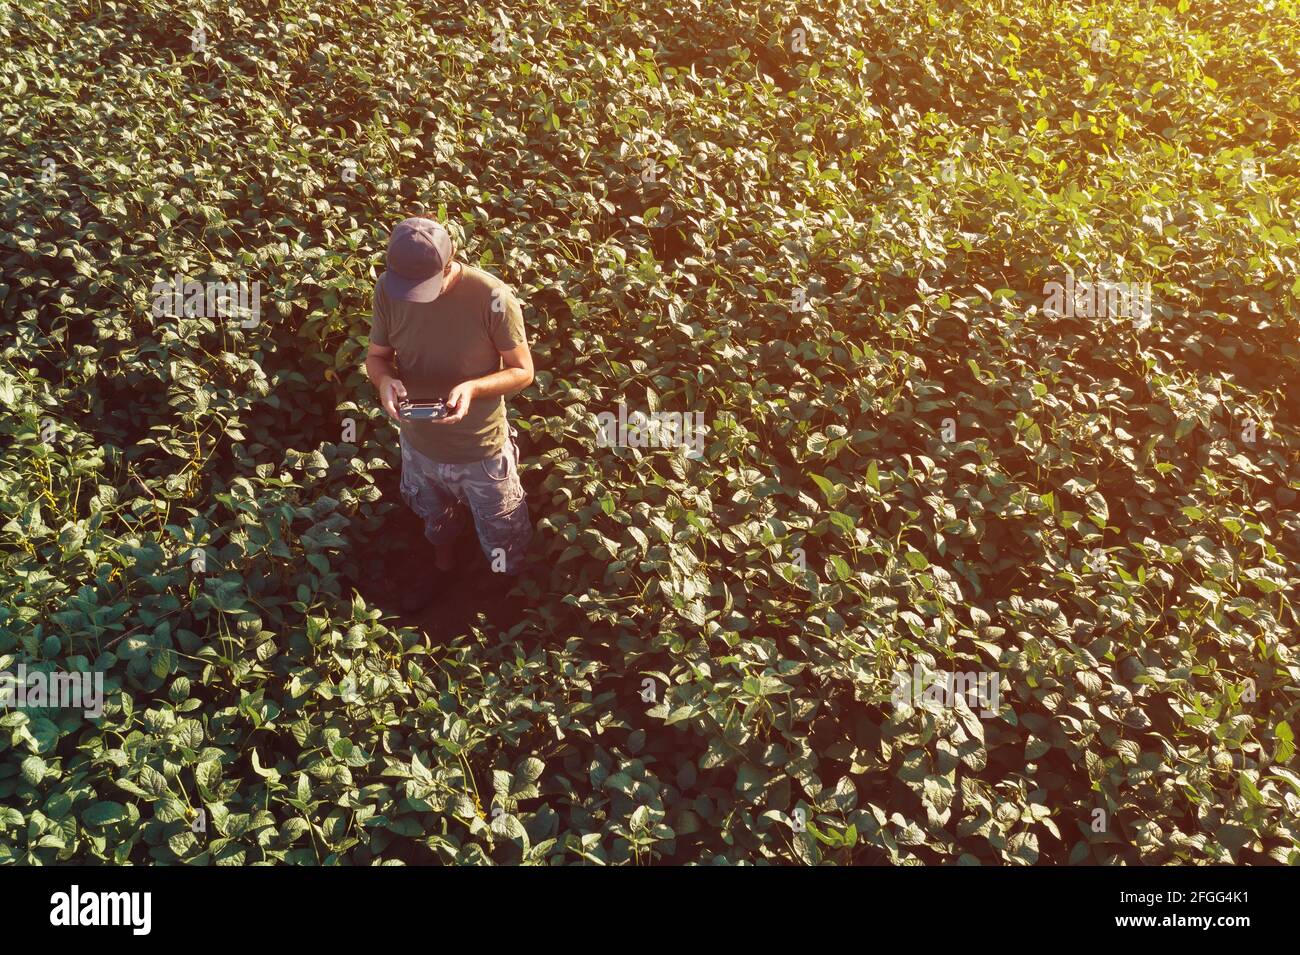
(476, 278)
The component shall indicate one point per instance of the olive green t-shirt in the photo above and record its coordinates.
(440, 344)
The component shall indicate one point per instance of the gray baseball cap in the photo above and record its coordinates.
(418, 250)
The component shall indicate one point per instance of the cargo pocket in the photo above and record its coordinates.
(496, 491)
(499, 468)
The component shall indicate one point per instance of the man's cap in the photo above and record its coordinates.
(418, 250)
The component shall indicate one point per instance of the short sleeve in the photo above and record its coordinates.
(379, 318)
(505, 319)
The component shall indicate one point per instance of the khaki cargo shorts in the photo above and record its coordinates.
(489, 490)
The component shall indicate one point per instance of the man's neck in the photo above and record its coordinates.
(456, 270)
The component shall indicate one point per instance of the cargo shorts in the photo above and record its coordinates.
(444, 496)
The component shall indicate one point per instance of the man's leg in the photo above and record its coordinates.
(437, 506)
(496, 499)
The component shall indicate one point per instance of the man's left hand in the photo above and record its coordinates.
(458, 401)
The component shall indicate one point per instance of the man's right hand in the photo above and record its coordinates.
(390, 393)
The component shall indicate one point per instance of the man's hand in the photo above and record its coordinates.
(382, 370)
(458, 401)
(391, 391)
(516, 374)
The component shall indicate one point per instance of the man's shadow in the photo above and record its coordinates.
(392, 558)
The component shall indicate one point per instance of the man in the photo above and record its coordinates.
(444, 330)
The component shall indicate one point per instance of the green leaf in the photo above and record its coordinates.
(103, 813)
(34, 770)
(1285, 749)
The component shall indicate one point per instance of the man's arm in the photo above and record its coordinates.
(515, 376)
(382, 369)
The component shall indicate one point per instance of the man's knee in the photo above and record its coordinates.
(505, 539)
